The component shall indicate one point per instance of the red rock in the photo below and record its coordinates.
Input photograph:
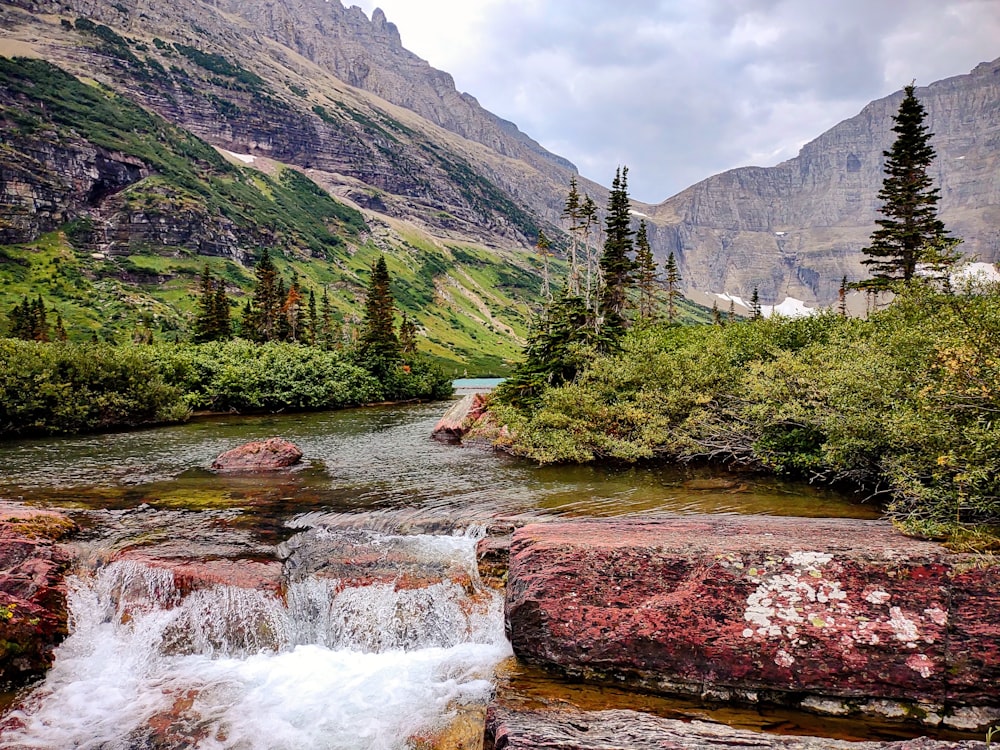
(33, 618)
(571, 729)
(193, 574)
(841, 615)
(266, 455)
(459, 417)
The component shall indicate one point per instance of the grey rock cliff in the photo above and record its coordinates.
(797, 228)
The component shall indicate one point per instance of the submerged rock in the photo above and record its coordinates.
(32, 590)
(833, 615)
(632, 730)
(260, 455)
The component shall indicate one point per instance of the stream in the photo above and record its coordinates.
(334, 606)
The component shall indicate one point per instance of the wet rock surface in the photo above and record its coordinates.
(459, 417)
(836, 616)
(259, 455)
(632, 730)
(32, 592)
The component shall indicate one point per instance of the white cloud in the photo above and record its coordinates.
(681, 89)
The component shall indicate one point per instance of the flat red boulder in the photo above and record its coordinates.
(272, 454)
(831, 615)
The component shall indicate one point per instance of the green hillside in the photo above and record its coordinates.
(470, 303)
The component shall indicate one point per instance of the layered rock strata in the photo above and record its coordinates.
(834, 616)
(632, 730)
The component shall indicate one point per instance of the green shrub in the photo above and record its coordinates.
(901, 405)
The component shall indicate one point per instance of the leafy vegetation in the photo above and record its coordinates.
(66, 388)
(901, 406)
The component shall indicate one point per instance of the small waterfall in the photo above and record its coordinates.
(341, 659)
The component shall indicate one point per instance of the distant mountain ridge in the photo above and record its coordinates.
(375, 124)
(795, 229)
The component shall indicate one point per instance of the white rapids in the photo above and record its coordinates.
(324, 667)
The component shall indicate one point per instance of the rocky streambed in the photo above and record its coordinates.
(835, 617)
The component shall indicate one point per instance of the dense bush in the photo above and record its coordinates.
(902, 404)
(66, 388)
(63, 388)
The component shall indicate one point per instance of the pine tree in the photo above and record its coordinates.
(378, 346)
(326, 338)
(313, 320)
(283, 326)
(407, 335)
(842, 297)
(542, 245)
(617, 268)
(755, 305)
(294, 314)
(204, 322)
(716, 315)
(909, 202)
(731, 314)
(573, 214)
(213, 321)
(673, 286)
(222, 313)
(588, 213)
(59, 331)
(263, 322)
(645, 274)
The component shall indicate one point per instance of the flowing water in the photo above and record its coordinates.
(334, 606)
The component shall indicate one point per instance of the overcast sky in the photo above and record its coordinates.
(681, 89)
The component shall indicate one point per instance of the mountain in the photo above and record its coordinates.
(113, 198)
(321, 89)
(796, 229)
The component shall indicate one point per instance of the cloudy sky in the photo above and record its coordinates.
(681, 89)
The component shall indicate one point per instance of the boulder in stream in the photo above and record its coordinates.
(836, 616)
(32, 590)
(459, 417)
(272, 454)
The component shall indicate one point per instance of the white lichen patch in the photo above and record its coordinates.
(920, 664)
(937, 615)
(808, 559)
(799, 603)
(903, 627)
(878, 597)
(784, 659)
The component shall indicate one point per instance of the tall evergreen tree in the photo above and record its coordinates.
(204, 322)
(673, 286)
(543, 245)
(716, 315)
(326, 337)
(313, 320)
(909, 226)
(223, 328)
(645, 274)
(755, 311)
(617, 268)
(213, 321)
(842, 297)
(378, 346)
(263, 321)
(588, 213)
(573, 213)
